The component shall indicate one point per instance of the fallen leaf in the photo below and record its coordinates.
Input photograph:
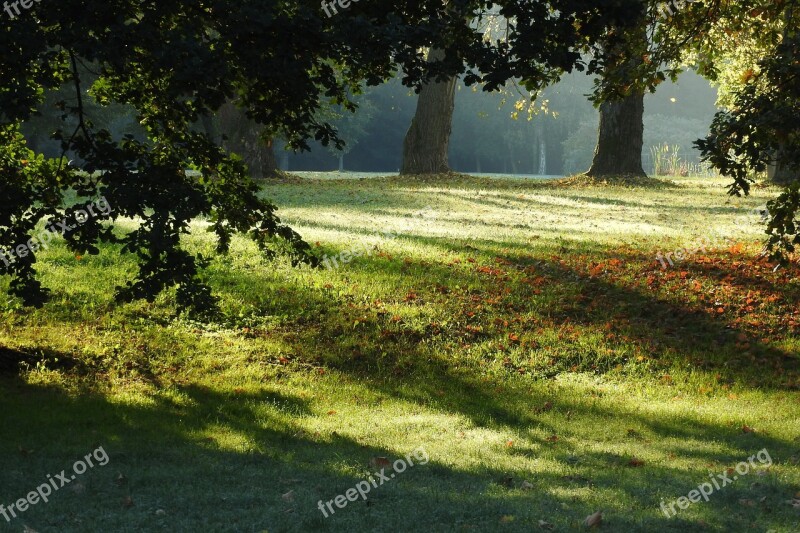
(288, 497)
(552, 438)
(380, 462)
(748, 429)
(635, 462)
(545, 525)
(594, 520)
(526, 485)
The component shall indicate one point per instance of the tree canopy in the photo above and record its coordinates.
(175, 63)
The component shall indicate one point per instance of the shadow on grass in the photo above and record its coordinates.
(263, 471)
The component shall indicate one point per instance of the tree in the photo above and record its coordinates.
(735, 38)
(425, 148)
(752, 49)
(762, 124)
(175, 63)
(620, 137)
(621, 132)
(244, 137)
(351, 126)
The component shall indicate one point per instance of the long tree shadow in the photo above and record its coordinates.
(264, 470)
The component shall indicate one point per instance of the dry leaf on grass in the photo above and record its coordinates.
(380, 462)
(594, 520)
(545, 525)
(526, 486)
(288, 497)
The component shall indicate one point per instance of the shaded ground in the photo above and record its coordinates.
(524, 335)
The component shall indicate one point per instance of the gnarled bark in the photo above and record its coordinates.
(621, 138)
(425, 149)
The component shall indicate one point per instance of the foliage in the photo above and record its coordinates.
(177, 63)
(760, 125)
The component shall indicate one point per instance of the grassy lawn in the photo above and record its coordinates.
(520, 335)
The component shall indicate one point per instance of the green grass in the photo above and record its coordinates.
(525, 337)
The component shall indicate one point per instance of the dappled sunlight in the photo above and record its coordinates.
(543, 367)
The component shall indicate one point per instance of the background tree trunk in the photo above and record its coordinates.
(780, 174)
(244, 137)
(621, 138)
(428, 139)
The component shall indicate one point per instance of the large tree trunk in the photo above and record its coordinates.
(621, 138)
(269, 163)
(779, 173)
(428, 139)
(243, 136)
